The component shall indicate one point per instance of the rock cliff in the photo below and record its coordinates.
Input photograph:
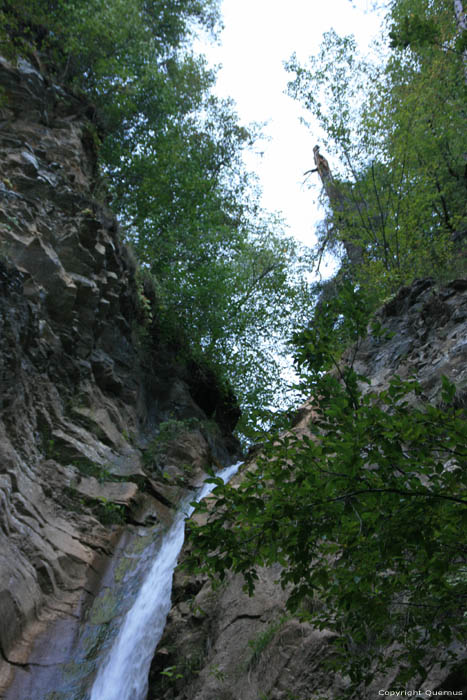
(223, 645)
(101, 428)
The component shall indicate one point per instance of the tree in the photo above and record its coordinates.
(394, 134)
(222, 268)
(365, 512)
(224, 276)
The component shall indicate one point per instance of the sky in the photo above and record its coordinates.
(259, 35)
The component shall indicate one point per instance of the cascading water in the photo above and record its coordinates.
(124, 673)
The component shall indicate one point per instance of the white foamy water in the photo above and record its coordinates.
(124, 673)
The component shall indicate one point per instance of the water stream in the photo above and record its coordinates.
(124, 672)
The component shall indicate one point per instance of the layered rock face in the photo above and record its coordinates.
(81, 398)
(223, 645)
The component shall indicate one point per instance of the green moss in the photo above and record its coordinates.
(76, 670)
(89, 468)
(108, 512)
(94, 639)
(142, 542)
(124, 565)
(104, 608)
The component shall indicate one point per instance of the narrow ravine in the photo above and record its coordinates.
(124, 672)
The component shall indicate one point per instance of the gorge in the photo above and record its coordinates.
(108, 427)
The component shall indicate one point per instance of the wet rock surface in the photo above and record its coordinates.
(79, 400)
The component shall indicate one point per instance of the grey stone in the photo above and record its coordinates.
(73, 393)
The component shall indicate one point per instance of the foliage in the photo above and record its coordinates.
(171, 672)
(108, 512)
(89, 468)
(257, 278)
(341, 322)
(217, 673)
(182, 673)
(262, 641)
(171, 159)
(366, 511)
(414, 31)
(393, 128)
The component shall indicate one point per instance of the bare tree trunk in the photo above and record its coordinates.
(339, 204)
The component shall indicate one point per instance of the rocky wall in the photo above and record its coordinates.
(82, 397)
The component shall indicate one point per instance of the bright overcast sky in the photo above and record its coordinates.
(259, 35)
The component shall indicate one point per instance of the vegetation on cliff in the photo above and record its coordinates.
(171, 162)
(220, 276)
(393, 128)
(366, 512)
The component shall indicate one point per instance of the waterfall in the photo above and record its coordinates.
(124, 673)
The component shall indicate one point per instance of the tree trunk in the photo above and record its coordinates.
(340, 204)
(461, 20)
